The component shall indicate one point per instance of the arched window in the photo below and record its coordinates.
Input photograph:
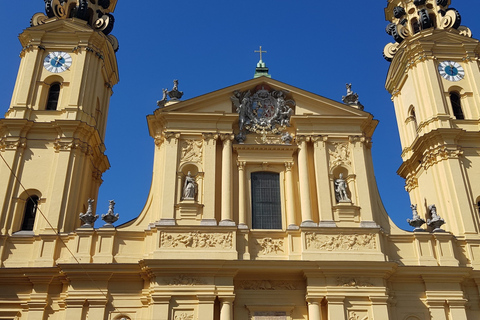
(29, 213)
(456, 105)
(53, 95)
(266, 202)
(413, 116)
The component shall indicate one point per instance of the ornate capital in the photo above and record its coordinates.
(241, 165)
(172, 137)
(210, 138)
(17, 144)
(411, 182)
(288, 166)
(319, 140)
(440, 153)
(227, 136)
(303, 138)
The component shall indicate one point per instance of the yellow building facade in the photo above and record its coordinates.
(263, 202)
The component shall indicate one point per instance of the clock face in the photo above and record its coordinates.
(450, 70)
(57, 62)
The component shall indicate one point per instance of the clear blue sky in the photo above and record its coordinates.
(208, 45)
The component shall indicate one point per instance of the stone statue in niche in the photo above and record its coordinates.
(341, 189)
(190, 187)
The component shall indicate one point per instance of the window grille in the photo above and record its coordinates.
(266, 202)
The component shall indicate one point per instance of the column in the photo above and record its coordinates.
(322, 179)
(242, 212)
(209, 165)
(305, 201)
(336, 308)
(226, 308)
(290, 197)
(227, 216)
(314, 309)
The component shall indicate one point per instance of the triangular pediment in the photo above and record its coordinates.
(60, 25)
(307, 103)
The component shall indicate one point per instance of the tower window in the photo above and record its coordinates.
(266, 203)
(29, 213)
(53, 95)
(415, 26)
(456, 105)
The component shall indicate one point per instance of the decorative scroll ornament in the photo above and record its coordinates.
(194, 240)
(101, 20)
(89, 217)
(404, 26)
(358, 315)
(341, 242)
(262, 112)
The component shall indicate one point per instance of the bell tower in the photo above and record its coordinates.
(51, 139)
(434, 80)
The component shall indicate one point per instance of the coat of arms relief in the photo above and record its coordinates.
(263, 112)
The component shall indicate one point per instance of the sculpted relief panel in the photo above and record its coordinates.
(192, 151)
(340, 242)
(195, 240)
(340, 155)
(270, 246)
(266, 285)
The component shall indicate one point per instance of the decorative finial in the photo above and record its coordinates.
(261, 70)
(174, 94)
(89, 218)
(435, 222)
(416, 222)
(351, 98)
(110, 218)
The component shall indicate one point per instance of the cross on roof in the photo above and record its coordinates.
(260, 51)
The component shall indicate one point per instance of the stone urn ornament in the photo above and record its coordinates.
(416, 221)
(88, 217)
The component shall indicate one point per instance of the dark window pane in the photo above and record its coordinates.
(30, 213)
(53, 95)
(456, 106)
(266, 205)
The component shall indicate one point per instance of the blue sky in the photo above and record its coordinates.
(314, 45)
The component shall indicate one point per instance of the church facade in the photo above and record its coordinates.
(263, 203)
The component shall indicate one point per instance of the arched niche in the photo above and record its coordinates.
(343, 172)
(196, 173)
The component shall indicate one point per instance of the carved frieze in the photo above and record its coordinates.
(265, 285)
(199, 240)
(358, 315)
(183, 280)
(340, 155)
(188, 315)
(270, 246)
(192, 151)
(354, 242)
(354, 282)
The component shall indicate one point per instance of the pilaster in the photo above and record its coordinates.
(322, 178)
(304, 183)
(210, 162)
(227, 203)
(169, 195)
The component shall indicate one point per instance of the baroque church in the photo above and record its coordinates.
(263, 202)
